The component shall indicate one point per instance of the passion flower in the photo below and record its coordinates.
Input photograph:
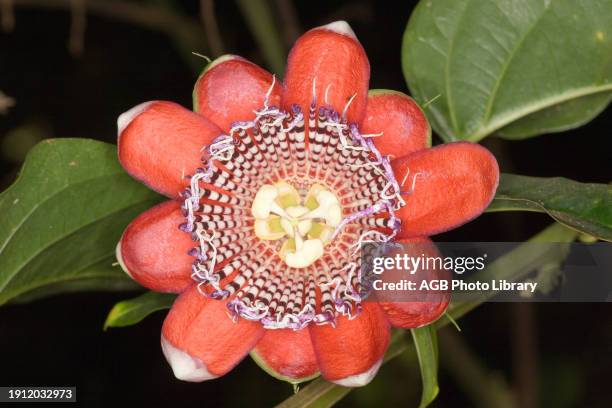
(273, 188)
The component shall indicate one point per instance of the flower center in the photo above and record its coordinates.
(306, 228)
(278, 212)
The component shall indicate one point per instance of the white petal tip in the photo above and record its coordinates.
(359, 380)
(340, 27)
(120, 260)
(184, 366)
(221, 60)
(126, 118)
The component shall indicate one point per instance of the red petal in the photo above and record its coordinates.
(160, 143)
(201, 341)
(446, 186)
(424, 306)
(351, 353)
(153, 251)
(333, 55)
(402, 122)
(287, 355)
(231, 88)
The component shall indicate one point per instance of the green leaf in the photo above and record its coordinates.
(558, 118)
(63, 217)
(132, 311)
(520, 67)
(426, 344)
(585, 207)
(511, 266)
(110, 278)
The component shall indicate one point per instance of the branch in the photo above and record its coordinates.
(8, 16)
(207, 15)
(485, 388)
(78, 24)
(185, 31)
(290, 20)
(6, 102)
(525, 354)
(259, 17)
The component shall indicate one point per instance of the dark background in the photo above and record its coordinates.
(546, 354)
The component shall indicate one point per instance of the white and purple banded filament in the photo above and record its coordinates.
(231, 261)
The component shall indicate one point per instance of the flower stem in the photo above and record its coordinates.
(511, 266)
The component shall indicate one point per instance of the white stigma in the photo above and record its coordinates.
(310, 251)
(278, 214)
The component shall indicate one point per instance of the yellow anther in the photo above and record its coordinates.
(328, 209)
(269, 229)
(321, 231)
(287, 194)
